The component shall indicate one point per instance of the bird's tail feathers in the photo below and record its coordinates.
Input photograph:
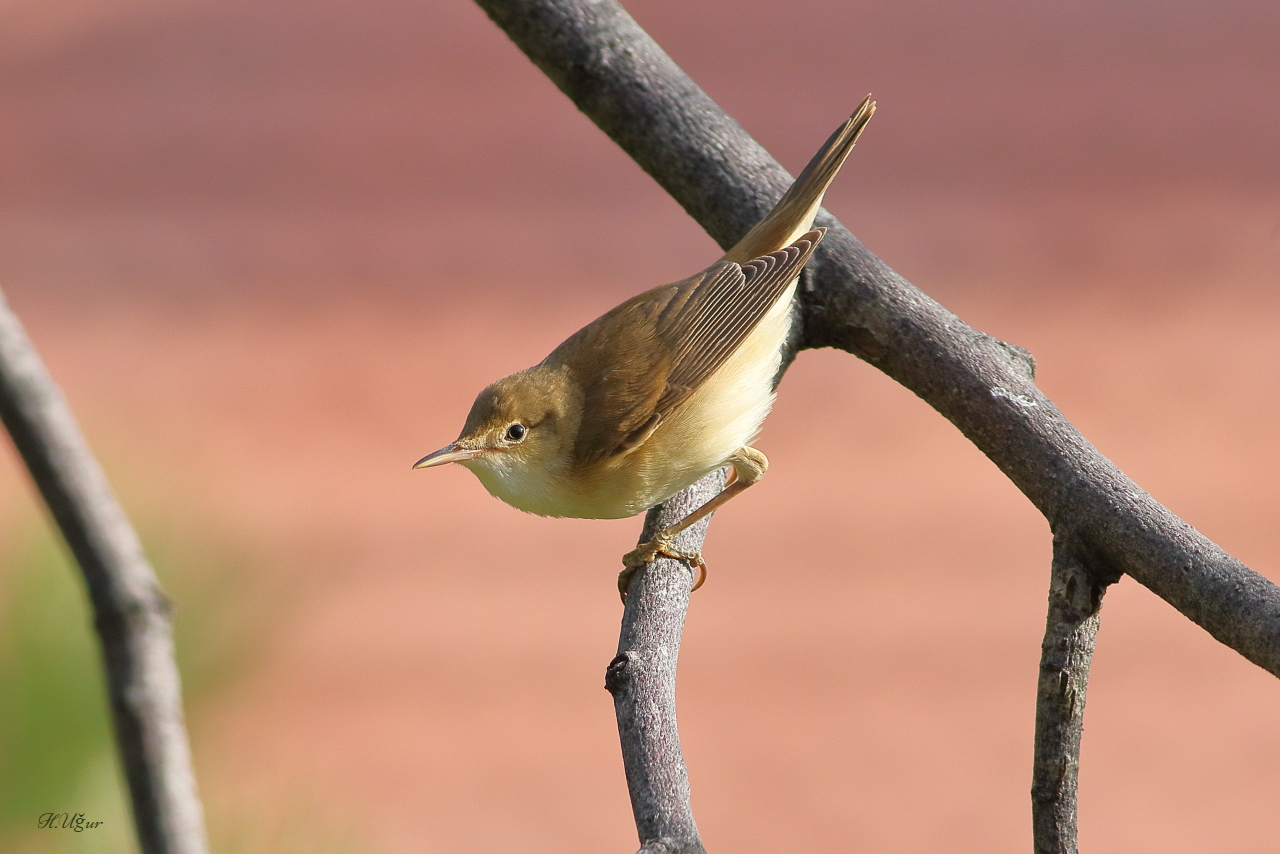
(794, 213)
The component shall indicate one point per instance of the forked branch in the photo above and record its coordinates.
(615, 74)
(618, 76)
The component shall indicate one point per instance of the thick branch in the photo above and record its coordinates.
(623, 81)
(1076, 585)
(642, 680)
(130, 611)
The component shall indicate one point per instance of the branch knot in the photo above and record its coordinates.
(617, 676)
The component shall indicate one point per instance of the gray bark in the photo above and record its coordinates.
(1076, 585)
(850, 299)
(131, 613)
(642, 680)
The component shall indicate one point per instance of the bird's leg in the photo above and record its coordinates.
(749, 465)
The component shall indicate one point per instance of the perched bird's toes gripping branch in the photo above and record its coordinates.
(662, 544)
(747, 466)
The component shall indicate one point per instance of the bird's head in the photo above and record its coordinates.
(518, 433)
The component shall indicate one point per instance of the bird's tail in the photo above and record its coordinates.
(793, 215)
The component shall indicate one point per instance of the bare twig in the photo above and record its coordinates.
(622, 80)
(642, 680)
(1076, 585)
(130, 611)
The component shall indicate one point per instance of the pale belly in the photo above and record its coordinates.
(722, 416)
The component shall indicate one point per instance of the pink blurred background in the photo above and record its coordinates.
(272, 249)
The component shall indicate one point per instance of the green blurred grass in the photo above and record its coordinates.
(54, 731)
(56, 748)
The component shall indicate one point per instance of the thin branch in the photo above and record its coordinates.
(1077, 583)
(130, 611)
(622, 80)
(642, 680)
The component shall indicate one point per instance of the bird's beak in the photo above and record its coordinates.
(448, 454)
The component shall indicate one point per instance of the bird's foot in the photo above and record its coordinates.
(663, 545)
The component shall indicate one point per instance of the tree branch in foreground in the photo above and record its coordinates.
(642, 680)
(1103, 523)
(1076, 586)
(130, 611)
(622, 80)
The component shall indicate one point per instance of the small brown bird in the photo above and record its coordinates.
(659, 392)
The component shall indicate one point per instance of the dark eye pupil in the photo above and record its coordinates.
(515, 432)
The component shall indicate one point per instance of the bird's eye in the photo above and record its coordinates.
(516, 432)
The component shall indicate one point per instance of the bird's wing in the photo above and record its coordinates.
(641, 361)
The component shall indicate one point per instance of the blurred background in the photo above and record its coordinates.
(271, 249)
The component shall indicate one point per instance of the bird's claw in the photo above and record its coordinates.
(663, 545)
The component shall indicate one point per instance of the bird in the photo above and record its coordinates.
(659, 392)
